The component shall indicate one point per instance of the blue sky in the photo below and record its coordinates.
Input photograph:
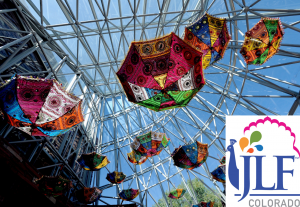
(288, 73)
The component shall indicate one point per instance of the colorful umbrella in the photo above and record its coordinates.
(39, 107)
(190, 156)
(88, 195)
(129, 194)
(161, 74)
(93, 161)
(116, 177)
(210, 36)
(176, 194)
(223, 160)
(219, 174)
(262, 41)
(205, 204)
(136, 158)
(53, 186)
(150, 144)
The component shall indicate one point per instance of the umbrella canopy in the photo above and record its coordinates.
(53, 186)
(210, 36)
(88, 195)
(205, 204)
(150, 144)
(223, 160)
(93, 161)
(129, 194)
(219, 174)
(262, 41)
(161, 74)
(39, 107)
(190, 156)
(176, 194)
(136, 158)
(116, 177)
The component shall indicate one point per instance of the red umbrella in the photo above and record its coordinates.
(39, 107)
(190, 156)
(161, 74)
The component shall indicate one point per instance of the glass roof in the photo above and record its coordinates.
(92, 38)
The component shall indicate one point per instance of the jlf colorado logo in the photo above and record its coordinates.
(263, 167)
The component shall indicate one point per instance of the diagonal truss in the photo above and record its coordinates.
(84, 47)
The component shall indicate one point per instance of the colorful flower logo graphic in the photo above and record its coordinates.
(255, 137)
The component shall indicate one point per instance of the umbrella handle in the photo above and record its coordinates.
(184, 140)
(107, 169)
(60, 169)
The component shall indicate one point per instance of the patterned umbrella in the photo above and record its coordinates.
(262, 41)
(88, 195)
(129, 194)
(219, 174)
(161, 74)
(210, 36)
(190, 156)
(136, 158)
(53, 186)
(116, 177)
(223, 160)
(93, 161)
(205, 204)
(39, 107)
(150, 144)
(176, 194)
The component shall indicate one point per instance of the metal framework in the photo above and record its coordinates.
(84, 45)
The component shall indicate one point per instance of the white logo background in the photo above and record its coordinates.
(275, 141)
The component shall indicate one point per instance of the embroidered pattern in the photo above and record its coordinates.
(262, 41)
(156, 67)
(39, 107)
(210, 36)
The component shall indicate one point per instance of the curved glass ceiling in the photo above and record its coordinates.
(91, 38)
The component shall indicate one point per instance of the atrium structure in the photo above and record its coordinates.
(83, 43)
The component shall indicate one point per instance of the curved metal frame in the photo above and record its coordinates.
(98, 100)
